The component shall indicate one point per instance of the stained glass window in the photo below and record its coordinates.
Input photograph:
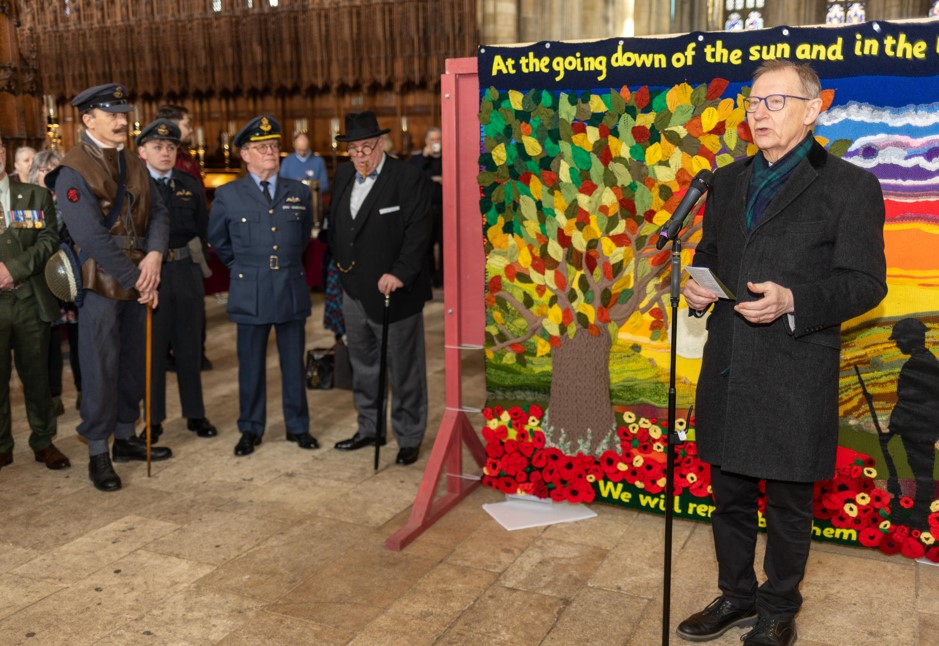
(845, 13)
(734, 10)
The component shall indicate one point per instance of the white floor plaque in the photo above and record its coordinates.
(522, 512)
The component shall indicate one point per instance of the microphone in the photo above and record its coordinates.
(699, 186)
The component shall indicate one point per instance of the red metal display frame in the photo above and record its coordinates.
(464, 301)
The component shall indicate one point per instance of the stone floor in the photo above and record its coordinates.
(288, 547)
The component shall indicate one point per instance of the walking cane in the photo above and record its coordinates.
(149, 362)
(382, 369)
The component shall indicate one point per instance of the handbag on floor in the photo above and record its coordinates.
(319, 368)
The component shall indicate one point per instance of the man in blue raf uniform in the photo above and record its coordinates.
(182, 293)
(259, 227)
(380, 231)
(120, 229)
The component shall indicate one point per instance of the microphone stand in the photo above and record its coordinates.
(672, 438)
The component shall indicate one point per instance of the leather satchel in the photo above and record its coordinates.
(319, 368)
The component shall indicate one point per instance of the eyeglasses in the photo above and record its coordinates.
(365, 149)
(774, 102)
(46, 169)
(268, 147)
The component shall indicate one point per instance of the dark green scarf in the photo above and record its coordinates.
(766, 181)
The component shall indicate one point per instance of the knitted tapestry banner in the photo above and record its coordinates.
(586, 149)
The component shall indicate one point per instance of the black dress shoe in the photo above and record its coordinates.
(715, 620)
(772, 632)
(304, 441)
(246, 444)
(357, 442)
(408, 455)
(202, 427)
(102, 473)
(136, 449)
(156, 430)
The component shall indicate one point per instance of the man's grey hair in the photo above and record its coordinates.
(807, 76)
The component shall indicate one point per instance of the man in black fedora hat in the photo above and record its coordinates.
(379, 233)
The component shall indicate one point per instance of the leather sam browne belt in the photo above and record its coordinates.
(178, 253)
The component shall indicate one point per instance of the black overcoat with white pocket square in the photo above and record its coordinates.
(390, 234)
(767, 395)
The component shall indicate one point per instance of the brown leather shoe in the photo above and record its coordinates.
(53, 458)
(6, 459)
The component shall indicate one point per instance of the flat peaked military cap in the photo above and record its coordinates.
(159, 129)
(258, 129)
(110, 97)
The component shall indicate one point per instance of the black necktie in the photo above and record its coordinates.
(164, 183)
(266, 187)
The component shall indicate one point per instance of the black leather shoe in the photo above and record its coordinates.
(772, 632)
(304, 441)
(246, 444)
(408, 455)
(102, 474)
(136, 449)
(156, 430)
(715, 620)
(202, 427)
(357, 442)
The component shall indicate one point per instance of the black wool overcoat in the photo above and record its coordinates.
(767, 395)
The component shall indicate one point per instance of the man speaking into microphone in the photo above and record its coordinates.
(797, 234)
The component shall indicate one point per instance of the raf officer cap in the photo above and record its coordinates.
(110, 97)
(361, 125)
(260, 128)
(159, 129)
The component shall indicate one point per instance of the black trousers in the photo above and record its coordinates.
(921, 456)
(788, 536)
(178, 321)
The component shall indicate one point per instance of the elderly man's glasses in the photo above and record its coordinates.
(364, 149)
(774, 102)
(269, 147)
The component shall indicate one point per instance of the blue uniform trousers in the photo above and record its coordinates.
(252, 376)
(112, 351)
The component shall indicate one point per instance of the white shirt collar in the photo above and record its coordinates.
(99, 144)
(157, 175)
